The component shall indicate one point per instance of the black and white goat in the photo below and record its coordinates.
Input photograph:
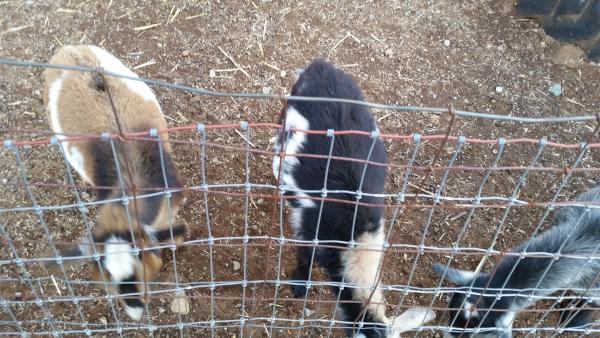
(355, 267)
(575, 233)
(78, 104)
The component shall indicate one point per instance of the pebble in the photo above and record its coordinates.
(180, 304)
(555, 89)
(389, 52)
(186, 52)
(236, 265)
(161, 310)
(212, 73)
(283, 73)
(308, 312)
(266, 90)
(103, 320)
(499, 90)
(447, 43)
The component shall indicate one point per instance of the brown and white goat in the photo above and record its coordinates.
(78, 103)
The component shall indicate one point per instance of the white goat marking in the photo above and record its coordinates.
(293, 120)
(362, 270)
(72, 153)
(134, 312)
(76, 159)
(506, 320)
(470, 310)
(296, 220)
(112, 64)
(53, 95)
(292, 146)
(410, 319)
(119, 261)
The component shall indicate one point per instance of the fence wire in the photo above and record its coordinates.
(444, 202)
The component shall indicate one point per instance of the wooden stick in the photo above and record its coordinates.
(149, 63)
(244, 137)
(143, 28)
(236, 64)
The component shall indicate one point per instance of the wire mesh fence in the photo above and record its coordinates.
(459, 200)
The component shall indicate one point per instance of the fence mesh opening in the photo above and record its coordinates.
(462, 200)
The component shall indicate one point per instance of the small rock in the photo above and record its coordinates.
(555, 89)
(447, 43)
(260, 201)
(103, 320)
(186, 52)
(180, 304)
(236, 265)
(212, 73)
(4, 181)
(161, 310)
(283, 73)
(499, 90)
(266, 90)
(389, 52)
(308, 312)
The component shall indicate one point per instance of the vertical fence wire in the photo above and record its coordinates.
(247, 190)
(331, 135)
(457, 148)
(170, 217)
(279, 157)
(400, 200)
(351, 245)
(88, 233)
(200, 128)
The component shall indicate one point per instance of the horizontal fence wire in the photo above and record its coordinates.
(460, 113)
(234, 267)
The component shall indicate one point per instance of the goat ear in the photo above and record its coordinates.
(411, 319)
(83, 249)
(179, 227)
(454, 275)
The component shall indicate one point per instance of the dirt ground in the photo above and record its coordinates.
(472, 55)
